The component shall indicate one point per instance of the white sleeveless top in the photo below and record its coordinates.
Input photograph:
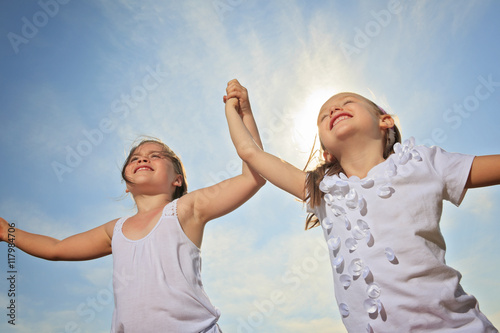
(157, 281)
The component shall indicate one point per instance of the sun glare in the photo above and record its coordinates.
(305, 125)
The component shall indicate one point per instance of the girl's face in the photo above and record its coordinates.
(348, 115)
(150, 170)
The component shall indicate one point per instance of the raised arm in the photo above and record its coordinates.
(280, 173)
(485, 171)
(88, 245)
(195, 209)
(240, 103)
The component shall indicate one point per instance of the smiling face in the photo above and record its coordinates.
(149, 168)
(346, 115)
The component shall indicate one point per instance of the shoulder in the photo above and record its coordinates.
(190, 207)
(439, 156)
(109, 227)
(408, 150)
(185, 206)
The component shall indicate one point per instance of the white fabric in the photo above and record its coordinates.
(386, 247)
(157, 281)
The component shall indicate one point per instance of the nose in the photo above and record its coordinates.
(335, 109)
(142, 160)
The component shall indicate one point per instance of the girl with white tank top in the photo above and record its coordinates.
(156, 252)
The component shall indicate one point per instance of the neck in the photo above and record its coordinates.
(358, 161)
(149, 203)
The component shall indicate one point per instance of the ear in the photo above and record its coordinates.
(386, 121)
(177, 181)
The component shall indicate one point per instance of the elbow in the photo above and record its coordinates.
(56, 253)
(258, 180)
(250, 154)
(248, 151)
(261, 181)
(52, 256)
(47, 256)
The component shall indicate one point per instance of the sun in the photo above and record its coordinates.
(305, 127)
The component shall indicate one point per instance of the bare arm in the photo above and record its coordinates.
(485, 171)
(241, 105)
(88, 245)
(197, 208)
(280, 173)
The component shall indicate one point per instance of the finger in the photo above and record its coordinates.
(228, 97)
(233, 81)
(233, 102)
(231, 87)
(233, 94)
(238, 90)
(234, 85)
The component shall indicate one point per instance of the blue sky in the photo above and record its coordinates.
(81, 81)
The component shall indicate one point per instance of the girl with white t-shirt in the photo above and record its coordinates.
(156, 252)
(379, 203)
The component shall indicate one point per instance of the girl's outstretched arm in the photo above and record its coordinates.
(195, 209)
(280, 173)
(88, 245)
(485, 171)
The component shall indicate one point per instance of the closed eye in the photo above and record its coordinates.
(323, 117)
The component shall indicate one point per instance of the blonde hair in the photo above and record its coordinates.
(168, 153)
(315, 176)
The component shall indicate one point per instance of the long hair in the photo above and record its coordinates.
(168, 153)
(314, 177)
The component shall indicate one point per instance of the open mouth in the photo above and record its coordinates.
(338, 118)
(143, 168)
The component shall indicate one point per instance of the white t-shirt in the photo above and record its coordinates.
(157, 281)
(386, 248)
